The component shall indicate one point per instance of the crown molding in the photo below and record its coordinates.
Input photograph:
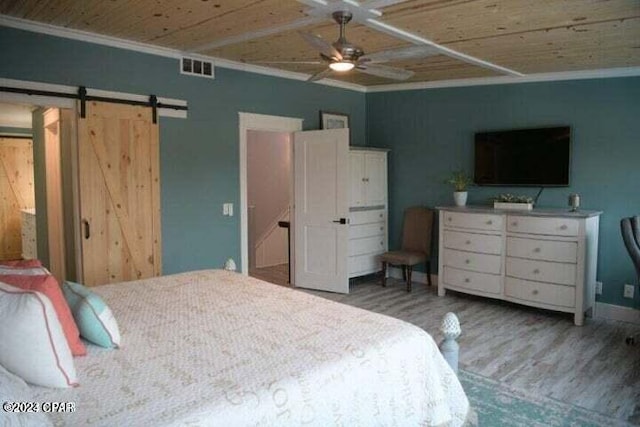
(603, 73)
(85, 36)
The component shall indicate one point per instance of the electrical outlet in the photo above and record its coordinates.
(598, 288)
(628, 291)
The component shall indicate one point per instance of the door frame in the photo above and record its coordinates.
(265, 123)
(50, 102)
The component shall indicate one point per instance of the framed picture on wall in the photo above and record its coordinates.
(329, 120)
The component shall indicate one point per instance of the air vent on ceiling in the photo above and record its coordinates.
(197, 67)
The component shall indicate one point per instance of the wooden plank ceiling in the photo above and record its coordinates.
(540, 36)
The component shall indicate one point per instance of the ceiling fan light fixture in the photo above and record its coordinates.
(342, 66)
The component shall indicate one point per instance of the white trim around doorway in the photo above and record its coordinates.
(259, 122)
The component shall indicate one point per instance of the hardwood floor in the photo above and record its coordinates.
(539, 351)
(277, 274)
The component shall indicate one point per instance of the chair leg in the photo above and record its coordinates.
(404, 273)
(429, 272)
(384, 274)
(409, 271)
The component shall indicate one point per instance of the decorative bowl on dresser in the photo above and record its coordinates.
(545, 258)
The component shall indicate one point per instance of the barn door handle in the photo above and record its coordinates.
(341, 221)
(87, 228)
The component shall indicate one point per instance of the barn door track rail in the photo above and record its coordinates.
(159, 106)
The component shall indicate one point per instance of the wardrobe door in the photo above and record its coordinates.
(119, 182)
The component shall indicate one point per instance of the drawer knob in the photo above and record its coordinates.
(381, 243)
(381, 228)
(380, 215)
(563, 227)
(468, 242)
(449, 219)
(514, 223)
(467, 280)
(489, 222)
(536, 271)
(536, 250)
(467, 261)
(535, 292)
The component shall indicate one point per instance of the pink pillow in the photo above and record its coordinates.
(48, 286)
(22, 263)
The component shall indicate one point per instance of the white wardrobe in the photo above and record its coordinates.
(368, 228)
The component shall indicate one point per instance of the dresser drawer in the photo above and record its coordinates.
(545, 293)
(472, 242)
(482, 263)
(541, 271)
(483, 282)
(368, 245)
(546, 250)
(473, 220)
(364, 264)
(367, 217)
(366, 230)
(541, 225)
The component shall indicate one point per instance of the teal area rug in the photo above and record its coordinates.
(497, 405)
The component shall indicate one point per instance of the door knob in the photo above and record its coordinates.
(341, 221)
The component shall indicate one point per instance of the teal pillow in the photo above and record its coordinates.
(92, 315)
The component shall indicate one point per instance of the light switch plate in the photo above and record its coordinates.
(227, 209)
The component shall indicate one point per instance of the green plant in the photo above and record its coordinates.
(511, 198)
(460, 180)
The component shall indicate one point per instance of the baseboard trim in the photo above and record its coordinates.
(617, 312)
(602, 310)
(417, 276)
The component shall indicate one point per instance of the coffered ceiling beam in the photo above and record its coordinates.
(413, 38)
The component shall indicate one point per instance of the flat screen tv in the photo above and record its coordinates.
(523, 157)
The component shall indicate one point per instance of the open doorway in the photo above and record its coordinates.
(17, 195)
(35, 208)
(277, 133)
(269, 197)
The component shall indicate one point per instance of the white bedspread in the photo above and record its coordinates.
(217, 348)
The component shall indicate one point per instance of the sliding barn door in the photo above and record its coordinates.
(16, 193)
(119, 181)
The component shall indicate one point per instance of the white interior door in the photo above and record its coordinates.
(321, 164)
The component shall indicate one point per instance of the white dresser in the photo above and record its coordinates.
(368, 234)
(542, 258)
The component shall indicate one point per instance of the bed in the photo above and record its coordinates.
(217, 348)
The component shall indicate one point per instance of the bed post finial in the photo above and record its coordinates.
(449, 348)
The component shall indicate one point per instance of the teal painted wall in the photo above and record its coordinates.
(430, 133)
(8, 130)
(199, 155)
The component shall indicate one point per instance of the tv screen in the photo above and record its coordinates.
(523, 157)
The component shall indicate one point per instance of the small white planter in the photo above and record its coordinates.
(460, 198)
(513, 206)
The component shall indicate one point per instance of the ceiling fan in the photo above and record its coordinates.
(342, 56)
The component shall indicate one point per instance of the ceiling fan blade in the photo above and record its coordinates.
(319, 76)
(385, 71)
(321, 45)
(401, 54)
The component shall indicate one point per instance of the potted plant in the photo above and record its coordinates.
(460, 181)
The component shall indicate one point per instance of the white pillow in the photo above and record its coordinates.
(34, 346)
(13, 389)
